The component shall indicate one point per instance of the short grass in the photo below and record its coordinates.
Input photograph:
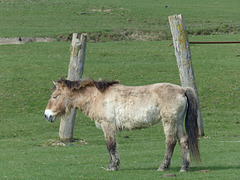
(26, 74)
(26, 18)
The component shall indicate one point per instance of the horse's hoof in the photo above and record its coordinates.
(112, 168)
(162, 169)
(183, 170)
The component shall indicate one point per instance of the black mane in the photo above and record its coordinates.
(101, 85)
(104, 84)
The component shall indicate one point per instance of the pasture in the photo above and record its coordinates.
(27, 71)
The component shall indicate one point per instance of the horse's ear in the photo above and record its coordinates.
(55, 84)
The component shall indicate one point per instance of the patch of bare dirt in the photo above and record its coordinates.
(93, 37)
(169, 175)
(23, 40)
(75, 142)
(101, 10)
(105, 9)
(205, 170)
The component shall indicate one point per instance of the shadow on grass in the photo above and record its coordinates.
(177, 169)
(213, 168)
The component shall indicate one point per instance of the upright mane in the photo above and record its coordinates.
(101, 85)
(104, 84)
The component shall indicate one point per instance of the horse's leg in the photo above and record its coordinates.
(170, 131)
(183, 142)
(110, 137)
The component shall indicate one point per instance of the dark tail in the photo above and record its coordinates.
(191, 124)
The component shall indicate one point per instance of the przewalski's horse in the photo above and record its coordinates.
(114, 107)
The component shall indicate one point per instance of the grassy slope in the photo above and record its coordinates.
(27, 71)
(52, 18)
(25, 134)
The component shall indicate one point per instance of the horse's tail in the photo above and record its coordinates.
(191, 124)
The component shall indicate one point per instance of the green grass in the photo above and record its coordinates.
(27, 72)
(105, 18)
(26, 76)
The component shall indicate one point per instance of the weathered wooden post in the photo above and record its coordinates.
(75, 71)
(184, 61)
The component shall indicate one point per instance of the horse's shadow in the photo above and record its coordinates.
(214, 168)
(192, 169)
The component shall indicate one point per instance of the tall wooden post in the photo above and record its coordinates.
(184, 61)
(75, 71)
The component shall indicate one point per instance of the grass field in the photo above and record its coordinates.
(27, 72)
(109, 20)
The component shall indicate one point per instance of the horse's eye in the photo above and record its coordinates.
(54, 97)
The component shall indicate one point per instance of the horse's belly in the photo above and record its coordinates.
(136, 117)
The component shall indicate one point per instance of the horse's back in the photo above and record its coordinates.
(132, 107)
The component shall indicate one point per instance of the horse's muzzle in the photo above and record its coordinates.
(49, 115)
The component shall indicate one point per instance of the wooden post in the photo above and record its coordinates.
(184, 61)
(75, 71)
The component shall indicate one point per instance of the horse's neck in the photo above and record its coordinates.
(85, 99)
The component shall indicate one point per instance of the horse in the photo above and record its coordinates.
(114, 107)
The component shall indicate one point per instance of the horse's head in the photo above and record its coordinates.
(64, 95)
(59, 104)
